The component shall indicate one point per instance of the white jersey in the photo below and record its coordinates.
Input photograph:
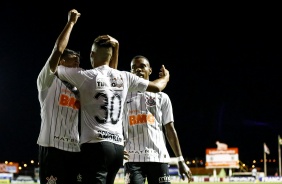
(144, 116)
(59, 112)
(103, 91)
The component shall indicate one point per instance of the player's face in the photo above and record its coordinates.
(71, 61)
(141, 68)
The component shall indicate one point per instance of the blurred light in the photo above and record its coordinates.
(201, 162)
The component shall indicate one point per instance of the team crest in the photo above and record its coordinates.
(117, 82)
(150, 101)
(79, 178)
(51, 180)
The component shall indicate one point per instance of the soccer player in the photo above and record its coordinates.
(59, 148)
(146, 117)
(59, 101)
(102, 95)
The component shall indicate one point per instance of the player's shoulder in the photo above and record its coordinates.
(159, 95)
(116, 71)
(127, 73)
(163, 94)
(89, 73)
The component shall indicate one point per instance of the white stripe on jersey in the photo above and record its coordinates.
(59, 113)
(143, 118)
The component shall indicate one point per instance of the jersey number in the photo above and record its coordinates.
(109, 111)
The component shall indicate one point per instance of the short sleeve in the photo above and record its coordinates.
(166, 108)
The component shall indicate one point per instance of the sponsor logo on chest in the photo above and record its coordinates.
(113, 83)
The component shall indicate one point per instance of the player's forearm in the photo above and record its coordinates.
(173, 140)
(63, 39)
(60, 45)
(114, 60)
(157, 85)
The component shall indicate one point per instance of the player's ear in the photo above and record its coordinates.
(150, 71)
(62, 61)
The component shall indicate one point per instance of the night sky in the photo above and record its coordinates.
(224, 62)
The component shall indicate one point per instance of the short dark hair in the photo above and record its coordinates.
(69, 51)
(139, 56)
(103, 42)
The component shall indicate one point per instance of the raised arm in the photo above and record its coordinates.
(160, 83)
(172, 138)
(114, 60)
(62, 40)
(115, 52)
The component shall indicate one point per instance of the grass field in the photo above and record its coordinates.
(214, 182)
(202, 183)
(181, 182)
(191, 183)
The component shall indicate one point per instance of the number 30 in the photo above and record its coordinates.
(109, 113)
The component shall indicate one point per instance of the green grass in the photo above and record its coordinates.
(198, 182)
(216, 182)
(182, 182)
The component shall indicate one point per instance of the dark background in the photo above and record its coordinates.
(224, 61)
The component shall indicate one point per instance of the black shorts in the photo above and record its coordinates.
(58, 166)
(101, 162)
(137, 172)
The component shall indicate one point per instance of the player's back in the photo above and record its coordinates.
(102, 93)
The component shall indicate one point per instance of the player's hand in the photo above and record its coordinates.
(125, 155)
(184, 171)
(107, 39)
(164, 72)
(73, 16)
(113, 41)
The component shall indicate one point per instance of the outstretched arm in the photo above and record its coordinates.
(160, 83)
(62, 40)
(174, 143)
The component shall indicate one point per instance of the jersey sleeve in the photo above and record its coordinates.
(72, 75)
(166, 108)
(45, 78)
(136, 83)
